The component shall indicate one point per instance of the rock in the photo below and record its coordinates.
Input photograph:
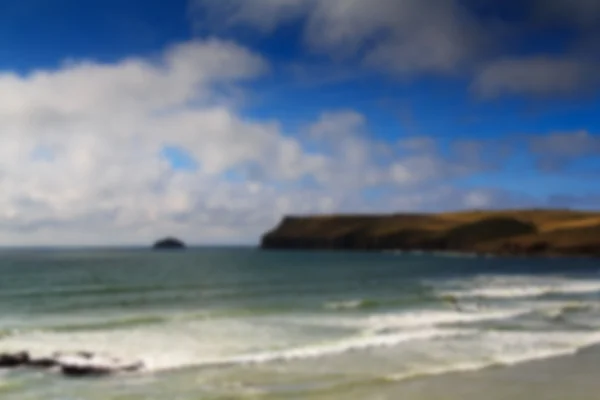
(169, 244)
(87, 364)
(8, 360)
(44, 362)
(80, 371)
(97, 370)
(78, 365)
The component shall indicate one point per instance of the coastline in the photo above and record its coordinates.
(439, 253)
(514, 233)
(248, 324)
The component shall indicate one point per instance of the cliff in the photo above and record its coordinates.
(509, 232)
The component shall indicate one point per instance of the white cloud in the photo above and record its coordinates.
(134, 86)
(338, 125)
(405, 37)
(535, 76)
(444, 37)
(81, 147)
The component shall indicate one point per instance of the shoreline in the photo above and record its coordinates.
(435, 253)
(564, 377)
(573, 374)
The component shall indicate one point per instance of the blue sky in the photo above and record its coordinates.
(211, 119)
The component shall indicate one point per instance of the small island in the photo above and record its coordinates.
(169, 243)
(538, 232)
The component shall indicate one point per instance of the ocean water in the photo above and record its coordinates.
(242, 323)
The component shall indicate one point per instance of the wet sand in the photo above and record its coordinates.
(574, 377)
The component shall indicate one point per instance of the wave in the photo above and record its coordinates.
(427, 341)
(509, 289)
(174, 350)
(507, 349)
(358, 304)
(488, 349)
(124, 323)
(445, 351)
(335, 348)
(564, 310)
(478, 365)
(431, 318)
(169, 342)
(423, 351)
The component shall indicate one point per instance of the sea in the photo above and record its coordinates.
(241, 323)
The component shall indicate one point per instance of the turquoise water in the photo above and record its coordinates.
(241, 323)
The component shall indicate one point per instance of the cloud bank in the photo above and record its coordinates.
(478, 39)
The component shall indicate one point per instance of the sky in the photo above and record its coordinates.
(125, 121)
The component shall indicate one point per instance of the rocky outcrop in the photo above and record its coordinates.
(43, 362)
(77, 365)
(169, 244)
(97, 370)
(518, 232)
(8, 360)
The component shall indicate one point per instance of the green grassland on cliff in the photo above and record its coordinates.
(531, 232)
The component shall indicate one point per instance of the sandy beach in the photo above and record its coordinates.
(562, 378)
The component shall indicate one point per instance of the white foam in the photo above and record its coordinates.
(343, 346)
(180, 344)
(425, 339)
(498, 348)
(159, 347)
(205, 344)
(522, 287)
(431, 318)
(420, 350)
(346, 305)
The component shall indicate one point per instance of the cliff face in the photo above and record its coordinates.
(531, 232)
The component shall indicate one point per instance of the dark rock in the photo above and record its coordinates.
(13, 360)
(80, 371)
(77, 365)
(92, 370)
(45, 362)
(169, 244)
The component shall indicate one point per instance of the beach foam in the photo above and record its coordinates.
(356, 304)
(415, 319)
(186, 346)
(499, 349)
(180, 343)
(521, 287)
